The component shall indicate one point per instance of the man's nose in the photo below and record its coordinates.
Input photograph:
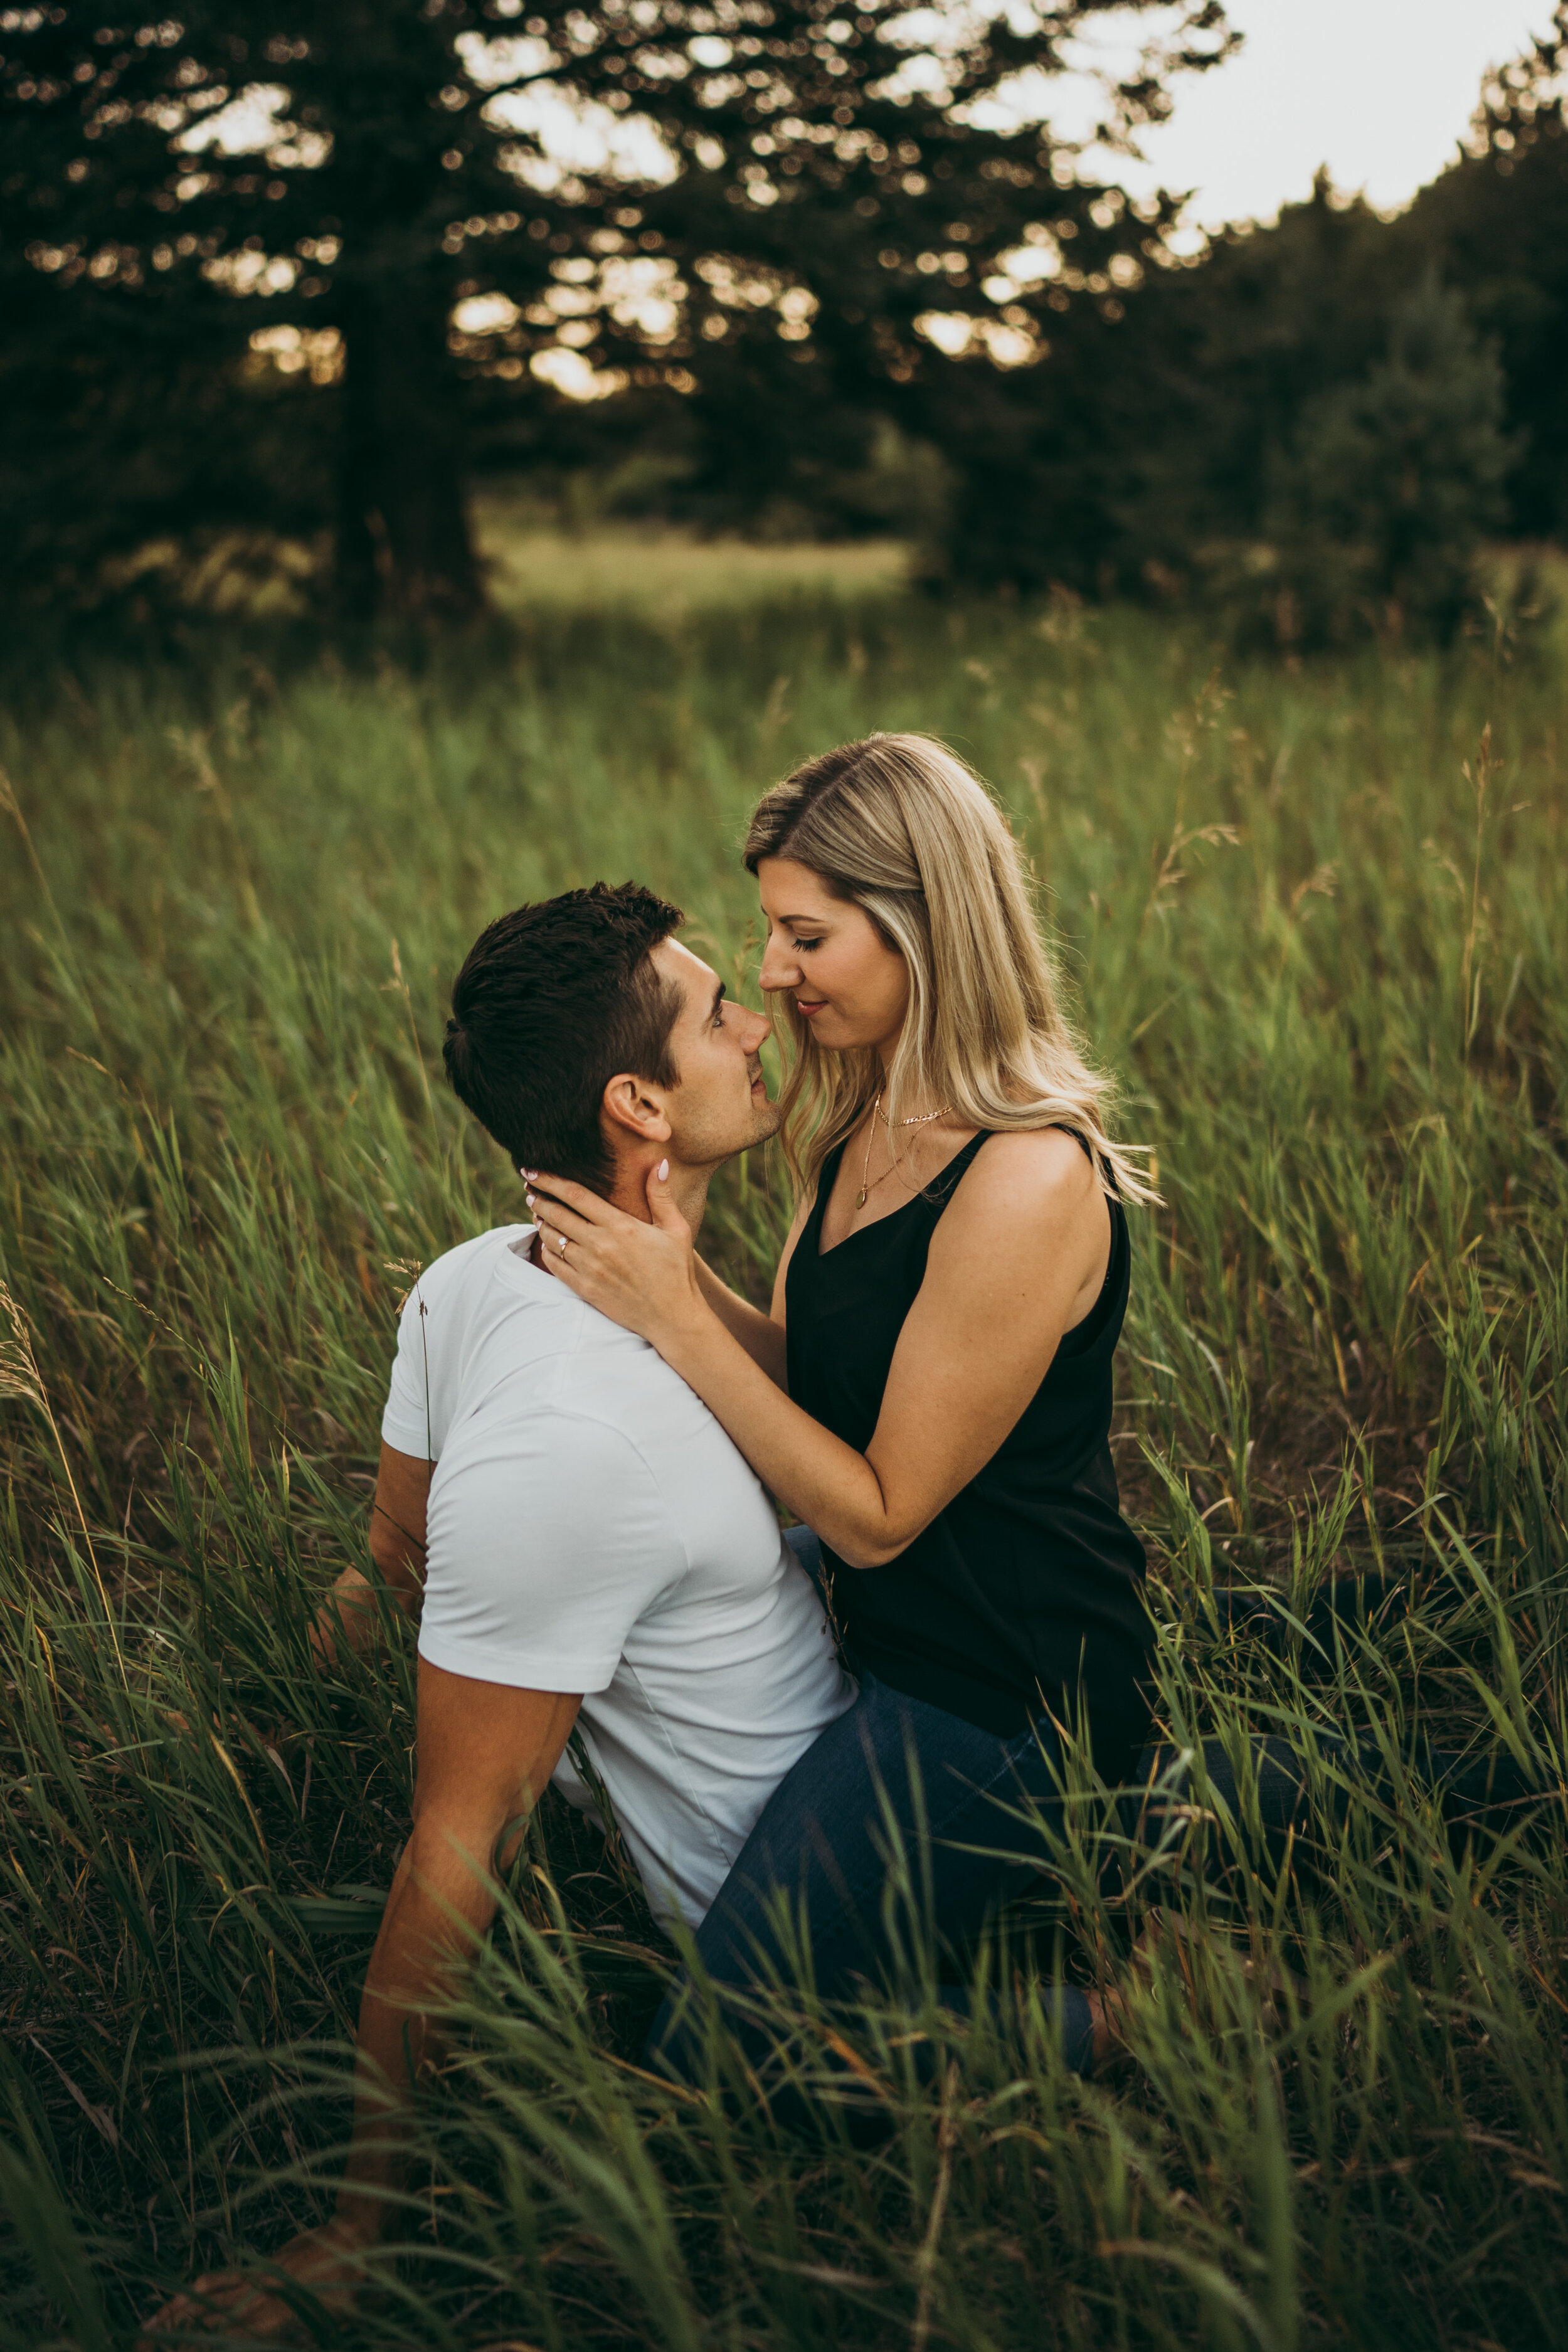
(758, 1028)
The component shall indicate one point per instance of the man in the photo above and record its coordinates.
(581, 1541)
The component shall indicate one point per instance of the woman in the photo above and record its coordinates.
(931, 1394)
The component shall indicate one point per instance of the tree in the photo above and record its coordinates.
(775, 208)
(1230, 349)
(1238, 372)
(1380, 506)
(1496, 224)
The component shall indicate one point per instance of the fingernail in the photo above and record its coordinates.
(532, 1174)
(529, 1198)
(662, 1171)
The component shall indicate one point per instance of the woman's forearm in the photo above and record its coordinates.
(762, 1338)
(813, 1473)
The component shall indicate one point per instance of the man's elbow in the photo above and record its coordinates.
(350, 1614)
(454, 1838)
(452, 1857)
(402, 1574)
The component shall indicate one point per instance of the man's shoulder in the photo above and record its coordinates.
(466, 1264)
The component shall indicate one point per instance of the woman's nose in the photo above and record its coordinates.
(779, 971)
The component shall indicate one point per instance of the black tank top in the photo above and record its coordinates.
(1027, 1588)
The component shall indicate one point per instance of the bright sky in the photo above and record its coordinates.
(1380, 91)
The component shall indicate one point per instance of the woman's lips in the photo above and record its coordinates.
(809, 1011)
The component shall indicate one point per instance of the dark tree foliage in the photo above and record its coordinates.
(1302, 426)
(1229, 352)
(1379, 504)
(1495, 225)
(806, 204)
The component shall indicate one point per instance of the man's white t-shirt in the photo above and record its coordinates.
(592, 1529)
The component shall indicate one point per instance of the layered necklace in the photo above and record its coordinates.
(922, 1119)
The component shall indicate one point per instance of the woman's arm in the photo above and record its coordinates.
(762, 1336)
(1018, 1259)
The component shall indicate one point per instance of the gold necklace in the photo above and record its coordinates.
(870, 1131)
(922, 1118)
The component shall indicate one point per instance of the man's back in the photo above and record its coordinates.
(592, 1529)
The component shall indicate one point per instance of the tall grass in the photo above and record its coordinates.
(1316, 921)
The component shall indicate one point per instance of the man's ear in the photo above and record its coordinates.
(634, 1107)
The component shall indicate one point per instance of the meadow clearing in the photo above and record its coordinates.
(1316, 918)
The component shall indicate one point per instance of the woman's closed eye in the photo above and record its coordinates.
(803, 947)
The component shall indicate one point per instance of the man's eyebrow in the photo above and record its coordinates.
(718, 1001)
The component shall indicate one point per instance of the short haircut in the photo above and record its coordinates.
(552, 1001)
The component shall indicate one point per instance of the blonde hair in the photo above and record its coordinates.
(900, 827)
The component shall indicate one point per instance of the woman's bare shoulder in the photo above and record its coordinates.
(1035, 1167)
(1029, 1198)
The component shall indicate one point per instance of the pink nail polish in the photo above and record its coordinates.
(662, 1171)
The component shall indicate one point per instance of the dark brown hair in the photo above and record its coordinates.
(552, 1001)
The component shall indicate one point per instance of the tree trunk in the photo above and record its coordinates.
(402, 543)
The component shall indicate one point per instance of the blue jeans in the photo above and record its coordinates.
(893, 1774)
(895, 1779)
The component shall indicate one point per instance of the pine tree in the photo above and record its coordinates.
(1393, 480)
(1496, 224)
(791, 198)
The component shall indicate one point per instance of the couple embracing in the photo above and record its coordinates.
(585, 1425)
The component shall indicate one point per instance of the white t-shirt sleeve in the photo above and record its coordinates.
(432, 1334)
(548, 1541)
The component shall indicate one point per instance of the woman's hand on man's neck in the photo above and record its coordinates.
(688, 1187)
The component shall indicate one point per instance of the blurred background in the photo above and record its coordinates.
(453, 453)
(409, 308)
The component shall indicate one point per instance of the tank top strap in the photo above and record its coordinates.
(942, 1186)
(932, 1198)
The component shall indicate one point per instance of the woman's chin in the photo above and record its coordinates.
(835, 1035)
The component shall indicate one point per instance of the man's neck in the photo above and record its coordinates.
(687, 1188)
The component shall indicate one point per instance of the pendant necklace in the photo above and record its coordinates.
(870, 1131)
(922, 1119)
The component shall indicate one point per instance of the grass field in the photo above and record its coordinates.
(1317, 921)
(536, 565)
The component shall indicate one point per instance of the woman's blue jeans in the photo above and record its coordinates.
(895, 1778)
(893, 1772)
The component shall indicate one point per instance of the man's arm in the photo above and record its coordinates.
(486, 1752)
(349, 1613)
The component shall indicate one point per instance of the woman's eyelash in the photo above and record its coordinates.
(801, 944)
